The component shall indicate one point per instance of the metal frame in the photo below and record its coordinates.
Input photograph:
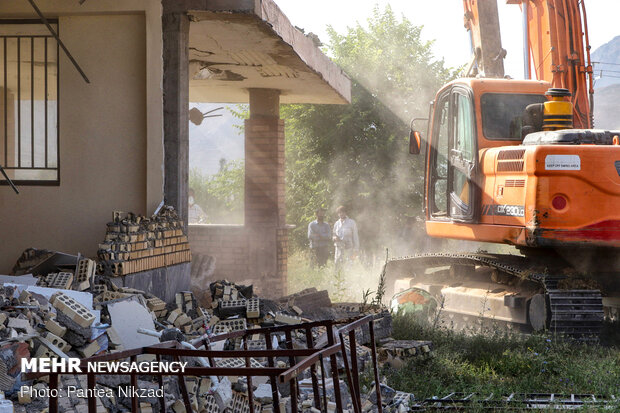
(4, 132)
(311, 356)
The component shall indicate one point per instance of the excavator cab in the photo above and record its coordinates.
(468, 117)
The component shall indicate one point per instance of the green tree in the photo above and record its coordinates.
(357, 154)
(220, 195)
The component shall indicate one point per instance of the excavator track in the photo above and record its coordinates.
(573, 313)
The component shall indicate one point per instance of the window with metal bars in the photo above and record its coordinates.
(29, 138)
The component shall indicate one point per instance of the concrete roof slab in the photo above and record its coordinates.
(252, 44)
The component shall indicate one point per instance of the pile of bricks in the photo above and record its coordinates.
(134, 243)
(63, 327)
(78, 279)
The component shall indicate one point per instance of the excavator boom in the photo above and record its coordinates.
(481, 19)
(556, 33)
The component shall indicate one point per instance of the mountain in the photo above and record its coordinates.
(607, 107)
(606, 63)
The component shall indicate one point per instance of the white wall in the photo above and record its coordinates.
(110, 130)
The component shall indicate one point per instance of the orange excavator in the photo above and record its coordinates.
(517, 162)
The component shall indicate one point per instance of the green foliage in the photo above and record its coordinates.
(220, 195)
(357, 154)
(502, 363)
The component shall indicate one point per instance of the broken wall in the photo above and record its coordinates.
(110, 130)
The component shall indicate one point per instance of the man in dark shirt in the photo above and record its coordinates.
(319, 234)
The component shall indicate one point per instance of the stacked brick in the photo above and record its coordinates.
(135, 243)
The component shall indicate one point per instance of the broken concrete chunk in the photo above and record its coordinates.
(55, 328)
(71, 308)
(20, 325)
(62, 280)
(252, 308)
(85, 271)
(223, 393)
(287, 319)
(174, 315)
(57, 341)
(263, 393)
(127, 317)
(89, 350)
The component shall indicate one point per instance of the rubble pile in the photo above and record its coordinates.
(62, 306)
(71, 310)
(135, 243)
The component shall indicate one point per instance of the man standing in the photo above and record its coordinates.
(345, 237)
(318, 234)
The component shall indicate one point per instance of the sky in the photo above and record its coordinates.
(443, 22)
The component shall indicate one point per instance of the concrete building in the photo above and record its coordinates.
(82, 150)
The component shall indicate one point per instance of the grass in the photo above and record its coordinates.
(483, 360)
(502, 363)
(344, 285)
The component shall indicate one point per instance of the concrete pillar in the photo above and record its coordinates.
(176, 107)
(265, 213)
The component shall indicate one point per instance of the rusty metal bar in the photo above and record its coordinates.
(134, 384)
(160, 381)
(183, 388)
(53, 403)
(60, 43)
(355, 324)
(293, 396)
(228, 371)
(334, 369)
(92, 400)
(272, 379)
(354, 367)
(291, 360)
(375, 368)
(352, 390)
(315, 379)
(249, 379)
(302, 352)
(276, 329)
(294, 370)
(323, 384)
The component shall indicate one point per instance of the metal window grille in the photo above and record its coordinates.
(29, 138)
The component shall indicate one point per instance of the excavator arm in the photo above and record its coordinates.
(482, 21)
(556, 31)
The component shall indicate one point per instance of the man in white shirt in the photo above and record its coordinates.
(345, 237)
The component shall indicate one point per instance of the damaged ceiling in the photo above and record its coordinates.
(232, 52)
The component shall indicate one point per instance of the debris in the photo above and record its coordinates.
(126, 317)
(287, 319)
(98, 316)
(395, 353)
(137, 243)
(72, 309)
(263, 393)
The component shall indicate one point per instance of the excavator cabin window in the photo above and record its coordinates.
(502, 114)
(453, 158)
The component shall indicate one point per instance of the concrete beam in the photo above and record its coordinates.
(239, 45)
(176, 104)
